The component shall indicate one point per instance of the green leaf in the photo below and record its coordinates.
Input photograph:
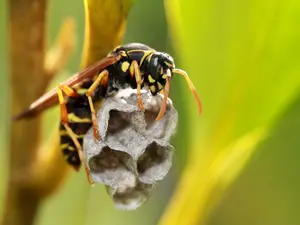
(243, 59)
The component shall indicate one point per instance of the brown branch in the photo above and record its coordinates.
(27, 47)
(33, 171)
(50, 169)
(34, 168)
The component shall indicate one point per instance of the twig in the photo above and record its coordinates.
(36, 170)
(28, 163)
(27, 46)
(49, 169)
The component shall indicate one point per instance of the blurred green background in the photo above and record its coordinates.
(224, 43)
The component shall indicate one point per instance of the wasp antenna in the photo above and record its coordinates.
(191, 86)
(166, 94)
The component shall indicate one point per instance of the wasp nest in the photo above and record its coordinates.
(134, 151)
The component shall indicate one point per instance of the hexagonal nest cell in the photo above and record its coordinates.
(154, 163)
(108, 159)
(129, 198)
(134, 150)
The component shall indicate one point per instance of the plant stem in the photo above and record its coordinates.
(27, 48)
(105, 23)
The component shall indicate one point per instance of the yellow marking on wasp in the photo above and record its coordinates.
(169, 64)
(63, 133)
(71, 148)
(164, 76)
(82, 91)
(137, 50)
(73, 118)
(63, 146)
(161, 70)
(145, 54)
(160, 86)
(76, 86)
(150, 56)
(125, 65)
(123, 53)
(152, 88)
(151, 80)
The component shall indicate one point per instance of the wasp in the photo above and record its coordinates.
(132, 65)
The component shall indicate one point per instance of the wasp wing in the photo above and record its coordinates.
(50, 98)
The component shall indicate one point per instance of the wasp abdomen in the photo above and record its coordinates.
(79, 120)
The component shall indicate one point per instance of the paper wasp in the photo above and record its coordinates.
(133, 65)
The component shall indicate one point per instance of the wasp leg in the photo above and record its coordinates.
(102, 79)
(64, 119)
(165, 99)
(69, 92)
(135, 71)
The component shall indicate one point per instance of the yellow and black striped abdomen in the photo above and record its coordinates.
(79, 120)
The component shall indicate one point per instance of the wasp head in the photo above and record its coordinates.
(158, 70)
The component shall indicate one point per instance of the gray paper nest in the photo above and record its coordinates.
(134, 152)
